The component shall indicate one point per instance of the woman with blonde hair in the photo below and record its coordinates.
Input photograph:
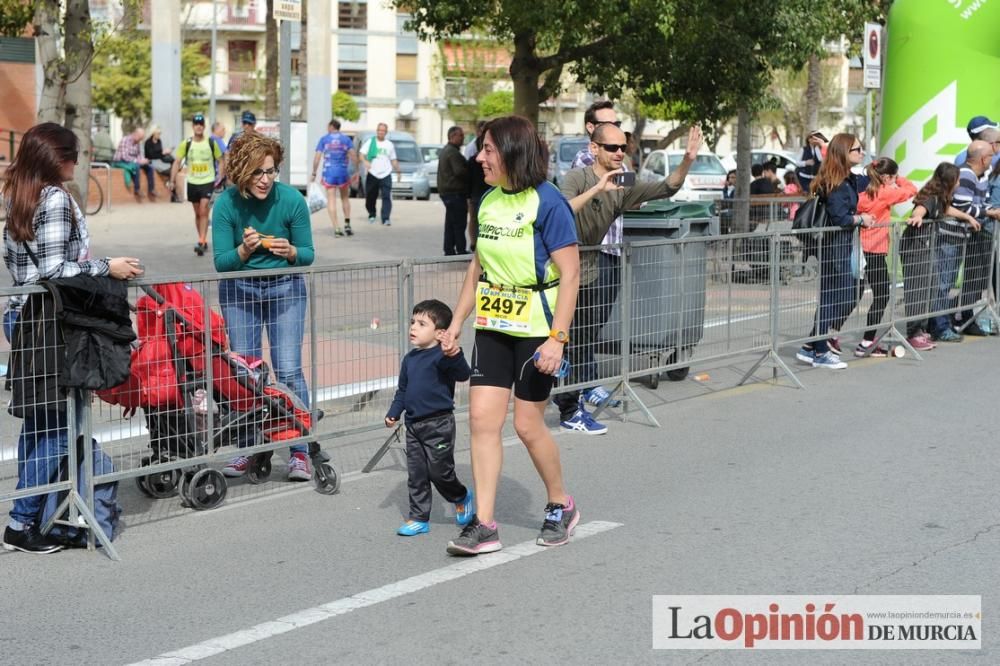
(259, 224)
(837, 189)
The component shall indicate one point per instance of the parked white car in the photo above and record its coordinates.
(786, 161)
(704, 181)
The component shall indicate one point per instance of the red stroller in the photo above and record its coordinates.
(170, 380)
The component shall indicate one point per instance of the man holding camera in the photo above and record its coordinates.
(598, 195)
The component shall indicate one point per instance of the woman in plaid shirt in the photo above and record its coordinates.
(45, 237)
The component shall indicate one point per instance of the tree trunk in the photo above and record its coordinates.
(741, 212)
(525, 74)
(47, 30)
(79, 54)
(637, 132)
(303, 73)
(813, 83)
(271, 74)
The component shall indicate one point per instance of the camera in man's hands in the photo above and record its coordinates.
(625, 179)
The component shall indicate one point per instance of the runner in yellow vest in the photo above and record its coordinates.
(200, 154)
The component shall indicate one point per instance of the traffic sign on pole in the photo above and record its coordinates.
(873, 55)
(288, 10)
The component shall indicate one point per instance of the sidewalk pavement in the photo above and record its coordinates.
(877, 480)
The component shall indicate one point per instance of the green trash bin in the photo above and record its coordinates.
(668, 283)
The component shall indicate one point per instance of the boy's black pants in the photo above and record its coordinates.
(430, 460)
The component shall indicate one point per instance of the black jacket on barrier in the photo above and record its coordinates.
(77, 335)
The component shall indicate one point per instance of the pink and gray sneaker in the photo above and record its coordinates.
(475, 539)
(560, 522)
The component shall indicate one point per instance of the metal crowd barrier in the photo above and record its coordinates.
(659, 308)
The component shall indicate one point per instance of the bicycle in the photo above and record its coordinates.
(95, 186)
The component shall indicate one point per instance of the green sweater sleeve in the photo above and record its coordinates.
(227, 234)
(301, 232)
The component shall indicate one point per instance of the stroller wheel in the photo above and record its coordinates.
(140, 483)
(206, 490)
(326, 478)
(260, 467)
(162, 485)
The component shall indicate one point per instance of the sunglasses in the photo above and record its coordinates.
(616, 123)
(857, 149)
(614, 147)
(257, 173)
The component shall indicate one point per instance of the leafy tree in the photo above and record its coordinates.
(344, 106)
(15, 15)
(548, 37)
(496, 103)
(472, 62)
(122, 72)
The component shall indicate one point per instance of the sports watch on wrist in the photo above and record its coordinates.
(559, 336)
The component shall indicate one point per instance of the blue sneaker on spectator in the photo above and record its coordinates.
(413, 528)
(829, 360)
(465, 510)
(805, 355)
(581, 421)
(599, 397)
(948, 335)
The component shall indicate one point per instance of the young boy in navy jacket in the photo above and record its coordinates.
(426, 393)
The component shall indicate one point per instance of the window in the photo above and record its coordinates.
(352, 15)
(407, 89)
(406, 42)
(456, 89)
(352, 49)
(242, 55)
(406, 67)
(354, 82)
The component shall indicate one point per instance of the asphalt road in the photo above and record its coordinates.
(877, 480)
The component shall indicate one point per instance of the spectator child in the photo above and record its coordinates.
(426, 393)
(885, 189)
(792, 189)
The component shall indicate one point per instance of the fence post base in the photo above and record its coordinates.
(382, 450)
(90, 522)
(777, 363)
(629, 395)
(893, 335)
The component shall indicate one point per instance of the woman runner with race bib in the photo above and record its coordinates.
(521, 285)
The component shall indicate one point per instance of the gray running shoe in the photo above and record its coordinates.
(475, 539)
(559, 524)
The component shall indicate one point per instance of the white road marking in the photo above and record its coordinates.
(304, 618)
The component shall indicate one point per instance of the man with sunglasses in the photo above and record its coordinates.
(602, 112)
(597, 202)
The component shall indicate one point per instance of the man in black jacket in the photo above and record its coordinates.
(453, 188)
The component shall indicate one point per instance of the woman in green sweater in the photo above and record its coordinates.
(261, 225)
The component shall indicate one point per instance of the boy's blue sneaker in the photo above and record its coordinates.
(829, 360)
(599, 397)
(581, 421)
(465, 510)
(413, 528)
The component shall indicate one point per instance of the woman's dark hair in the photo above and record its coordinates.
(940, 187)
(524, 155)
(883, 166)
(38, 164)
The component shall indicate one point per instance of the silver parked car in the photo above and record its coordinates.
(562, 154)
(430, 155)
(414, 183)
